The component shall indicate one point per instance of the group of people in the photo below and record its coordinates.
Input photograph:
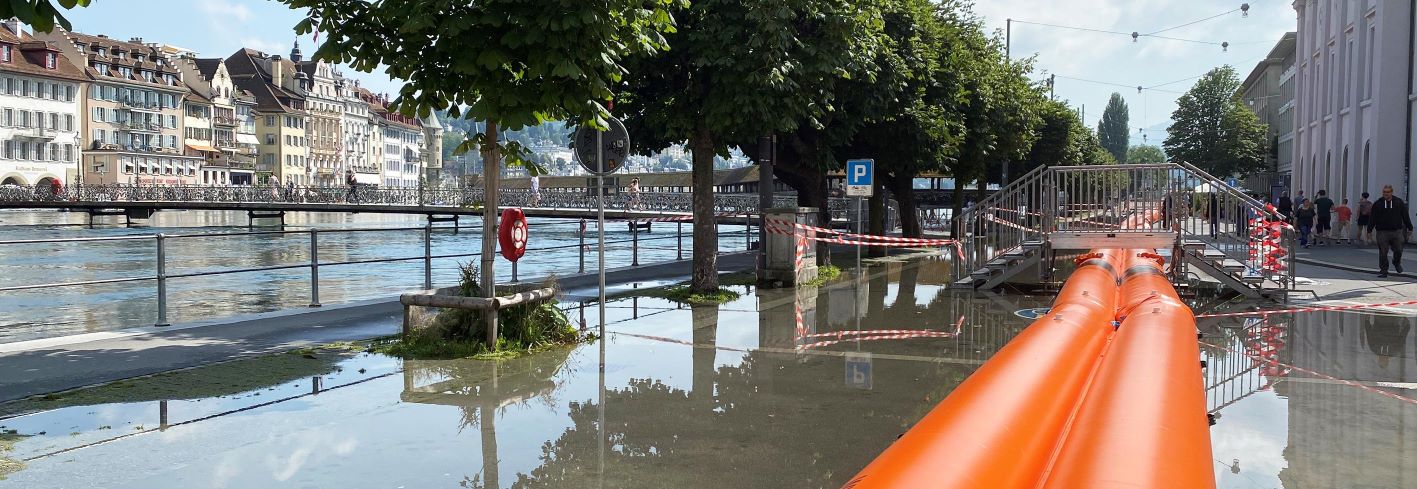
(1384, 222)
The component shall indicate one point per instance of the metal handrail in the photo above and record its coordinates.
(161, 275)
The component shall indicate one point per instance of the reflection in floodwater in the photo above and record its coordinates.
(1321, 399)
(739, 395)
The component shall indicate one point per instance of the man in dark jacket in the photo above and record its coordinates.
(1285, 206)
(1393, 226)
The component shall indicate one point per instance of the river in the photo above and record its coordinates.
(59, 311)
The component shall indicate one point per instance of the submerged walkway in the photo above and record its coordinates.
(56, 364)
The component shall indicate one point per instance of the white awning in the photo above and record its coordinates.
(247, 139)
(369, 178)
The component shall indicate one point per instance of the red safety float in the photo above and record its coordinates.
(512, 233)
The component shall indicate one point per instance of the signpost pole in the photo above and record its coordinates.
(600, 220)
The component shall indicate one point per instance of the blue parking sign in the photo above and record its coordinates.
(858, 370)
(860, 178)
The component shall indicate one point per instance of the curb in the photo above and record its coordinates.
(1349, 268)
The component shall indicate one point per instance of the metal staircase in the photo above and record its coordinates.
(1017, 234)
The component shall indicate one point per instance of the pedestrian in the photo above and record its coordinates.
(1305, 219)
(1285, 206)
(353, 185)
(1300, 199)
(1323, 206)
(634, 193)
(1214, 213)
(1345, 215)
(535, 190)
(1392, 227)
(275, 187)
(1178, 209)
(1365, 214)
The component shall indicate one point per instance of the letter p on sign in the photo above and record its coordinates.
(860, 178)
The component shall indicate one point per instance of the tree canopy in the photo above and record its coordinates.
(1214, 130)
(40, 14)
(1112, 130)
(1145, 153)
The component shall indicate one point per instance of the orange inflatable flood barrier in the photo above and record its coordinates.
(1068, 403)
(999, 427)
(1143, 422)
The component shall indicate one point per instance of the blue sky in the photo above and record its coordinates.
(1115, 59)
(212, 28)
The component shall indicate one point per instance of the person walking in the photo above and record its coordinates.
(535, 190)
(1305, 219)
(1365, 214)
(1213, 213)
(1323, 206)
(353, 186)
(1392, 226)
(1285, 206)
(634, 193)
(1345, 216)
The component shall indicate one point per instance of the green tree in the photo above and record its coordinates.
(1112, 130)
(40, 14)
(1145, 153)
(1213, 130)
(740, 69)
(508, 63)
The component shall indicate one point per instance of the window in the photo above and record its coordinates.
(68, 93)
(51, 61)
(270, 120)
(98, 114)
(7, 53)
(25, 88)
(41, 89)
(54, 121)
(270, 138)
(68, 152)
(9, 149)
(1368, 51)
(69, 122)
(9, 116)
(24, 151)
(24, 118)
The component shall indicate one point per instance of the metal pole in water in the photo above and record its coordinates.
(314, 268)
(679, 230)
(161, 281)
(582, 233)
(428, 256)
(634, 243)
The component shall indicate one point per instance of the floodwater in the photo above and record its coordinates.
(554, 247)
(768, 391)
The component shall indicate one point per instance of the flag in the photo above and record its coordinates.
(316, 23)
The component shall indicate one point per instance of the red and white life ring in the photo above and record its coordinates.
(512, 233)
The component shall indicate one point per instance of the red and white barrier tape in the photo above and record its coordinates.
(1270, 312)
(1347, 382)
(880, 334)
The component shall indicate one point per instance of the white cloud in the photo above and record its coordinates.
(223, 11)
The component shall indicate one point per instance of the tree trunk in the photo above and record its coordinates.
(876, 223)
(904, 193)
(492, 162)
(705, 275)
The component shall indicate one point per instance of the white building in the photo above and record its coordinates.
(403, 147)
(1353, 98)
(1269, 92)
(361, 133)
(39, 111)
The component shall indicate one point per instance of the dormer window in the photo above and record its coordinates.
(138, 58)
(148, 75)
(101, 68)
(102, 51)
(7, 53)
(51, 61)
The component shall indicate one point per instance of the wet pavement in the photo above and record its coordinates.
(781, 388)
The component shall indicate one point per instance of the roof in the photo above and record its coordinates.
(250, 71)
(153, 60)
(1281, 51)
(30, 61)
(207, 66)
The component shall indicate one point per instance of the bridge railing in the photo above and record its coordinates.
(371, 195)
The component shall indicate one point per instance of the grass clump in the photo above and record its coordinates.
(462, 333)
(8, 439)
(682, 294)
(825, 274)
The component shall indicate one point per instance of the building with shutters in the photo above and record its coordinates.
(39, 111)
(133, 111)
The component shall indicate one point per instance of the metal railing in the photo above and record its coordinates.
(161, 276)
(1097, 199)
(410, 196)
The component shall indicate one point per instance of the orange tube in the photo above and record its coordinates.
(1142, 423)
(1000, 427)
